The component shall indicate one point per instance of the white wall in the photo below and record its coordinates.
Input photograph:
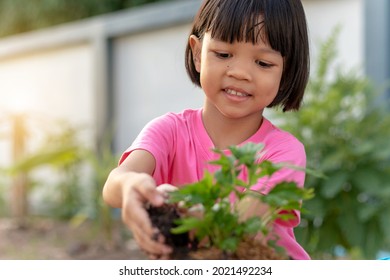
(55, 83)
(47, 86)
(150, 79)
(324, 15)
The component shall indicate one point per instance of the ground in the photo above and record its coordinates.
(43, 239)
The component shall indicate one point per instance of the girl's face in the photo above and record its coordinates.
(239, 79)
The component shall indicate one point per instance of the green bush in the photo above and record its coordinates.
(345, 126)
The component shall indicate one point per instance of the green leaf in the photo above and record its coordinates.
(252, 225)
(247, 154)
(367, 211)
(202, 192)
(368, 180)
(225, 162)
(229, 244)
(287, 195)
(186, 225)
(267, 168)
(334, 184)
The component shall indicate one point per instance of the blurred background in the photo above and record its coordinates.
(79, 79)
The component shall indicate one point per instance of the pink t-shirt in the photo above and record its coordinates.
(182, 149)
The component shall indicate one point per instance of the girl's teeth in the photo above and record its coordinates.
(233, 92)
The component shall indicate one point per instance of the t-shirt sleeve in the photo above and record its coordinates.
(290, 151)
(156, 138)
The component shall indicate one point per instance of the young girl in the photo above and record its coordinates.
(246, 55)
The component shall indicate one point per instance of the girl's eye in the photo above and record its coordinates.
(263, 64)
(222, 55)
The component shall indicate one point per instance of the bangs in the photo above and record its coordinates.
(249, 21)
(238, 21)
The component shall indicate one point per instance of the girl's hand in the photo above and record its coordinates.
(164, 189)
(139, 191)
(130, 186)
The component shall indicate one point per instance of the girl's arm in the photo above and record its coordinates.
(138, 166)
(130, 186)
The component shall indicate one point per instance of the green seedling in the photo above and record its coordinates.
(220, 224)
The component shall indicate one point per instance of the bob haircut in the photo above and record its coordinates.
(283, 27)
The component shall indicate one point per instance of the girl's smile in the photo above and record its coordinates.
(237, 95)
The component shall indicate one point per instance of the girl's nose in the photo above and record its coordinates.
(239, 71)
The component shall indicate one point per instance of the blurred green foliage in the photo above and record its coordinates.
(59, 152)
(101, 161)
(65, 175)
(19, 16)
(345, 126)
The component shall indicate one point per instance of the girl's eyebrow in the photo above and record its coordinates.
(261, 49)
(269, 50)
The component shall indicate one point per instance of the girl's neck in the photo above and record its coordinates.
(225, 132)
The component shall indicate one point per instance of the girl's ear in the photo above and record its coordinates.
(196, 47)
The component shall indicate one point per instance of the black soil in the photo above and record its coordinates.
(163, 218)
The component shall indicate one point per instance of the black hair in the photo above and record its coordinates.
(283, 27)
